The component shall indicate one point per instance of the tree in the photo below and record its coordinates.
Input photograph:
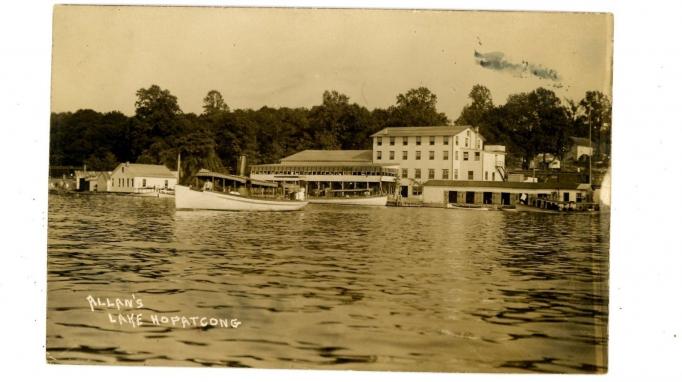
(214, 103)
(101, 160)
(155, 103)
(476, 112)
(537, 123)
(326, 120)
(157, 115)
(417, 107)
(596, 108)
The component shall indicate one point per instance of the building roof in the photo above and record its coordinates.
(512, 185)
(329, 156)
(146, 170)
(324, 165)
(581, 141)
(421, 131)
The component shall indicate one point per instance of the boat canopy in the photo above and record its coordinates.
(203, 173)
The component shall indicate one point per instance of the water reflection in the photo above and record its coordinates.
(331, 287)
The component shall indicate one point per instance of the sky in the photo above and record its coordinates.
(288, 57)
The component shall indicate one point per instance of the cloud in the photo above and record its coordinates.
(496, 61)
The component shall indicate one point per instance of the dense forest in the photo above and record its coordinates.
(528, 124)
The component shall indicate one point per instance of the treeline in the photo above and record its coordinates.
(539, 122)
(528, 124)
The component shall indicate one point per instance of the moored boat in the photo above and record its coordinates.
(186, 198)
(471, 207)
(378, 200)
(546, 206)
(216, 191)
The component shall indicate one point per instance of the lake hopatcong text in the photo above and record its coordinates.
(126, 314)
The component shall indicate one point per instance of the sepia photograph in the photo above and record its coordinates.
(394, 190)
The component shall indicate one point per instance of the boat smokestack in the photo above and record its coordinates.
(241, 165)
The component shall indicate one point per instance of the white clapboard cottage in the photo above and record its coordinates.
(141, 178)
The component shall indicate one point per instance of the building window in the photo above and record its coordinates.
(166, 183)
(486, 175)
(378, 155)
(478, 144)
(391, 141)
(465, 155)
(391, 155)
(404, 173)
(446, 155)
(457, 140)
(456, 155)
(446, 140)
(417, 173)
(446, 174)
(432, 173)
(477, 155)
(470, 175)
(432, 155)
(466, 142)
(432, 141)
(418, 140)
(144, 182)
(418, 155)
(404, 141)
(468, 133)
(404, 155)
(455, 174)
(378, 141)
(493, 175)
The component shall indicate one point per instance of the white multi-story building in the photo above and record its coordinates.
(437, 152)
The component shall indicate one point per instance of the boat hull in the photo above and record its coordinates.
(187, 199)
(358, 201)
(470, 208)
(525, 208)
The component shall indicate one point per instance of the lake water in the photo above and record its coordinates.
(328, 287)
